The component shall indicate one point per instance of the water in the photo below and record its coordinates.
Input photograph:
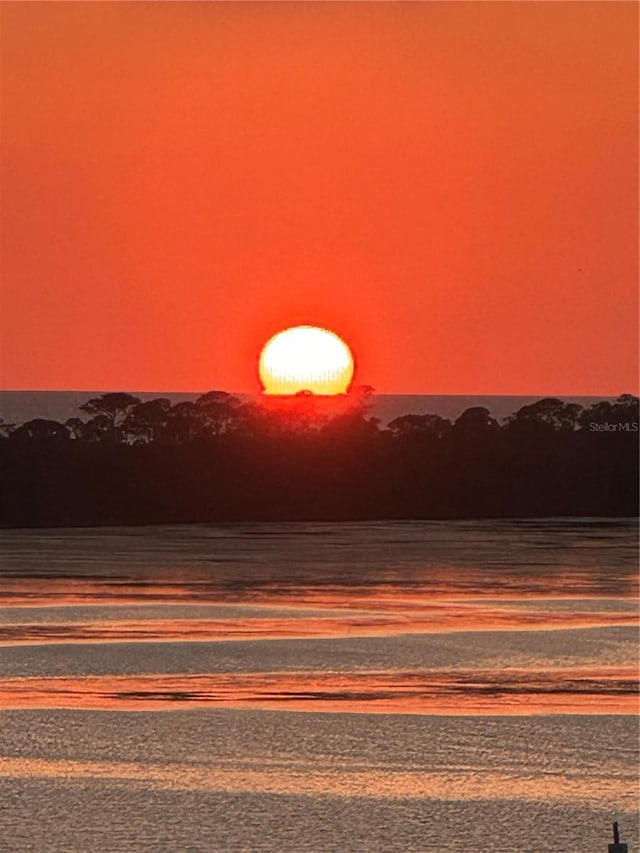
(405, 686)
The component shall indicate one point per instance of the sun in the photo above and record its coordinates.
(306, 358)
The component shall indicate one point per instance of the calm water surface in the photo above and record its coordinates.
(304, 687)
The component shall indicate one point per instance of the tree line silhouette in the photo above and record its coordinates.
(311, 458)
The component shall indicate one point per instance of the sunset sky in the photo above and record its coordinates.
(452, 187)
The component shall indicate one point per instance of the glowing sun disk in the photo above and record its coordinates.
(306, 358)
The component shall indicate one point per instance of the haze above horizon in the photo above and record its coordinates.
(450, 187)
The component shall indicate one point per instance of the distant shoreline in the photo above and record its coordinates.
(104, 527)
(20, 406)
(220, 459)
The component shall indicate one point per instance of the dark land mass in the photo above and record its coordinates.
(306, 458)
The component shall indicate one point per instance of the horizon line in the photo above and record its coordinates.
(545, 394)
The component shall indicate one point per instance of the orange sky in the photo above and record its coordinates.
(451, 186)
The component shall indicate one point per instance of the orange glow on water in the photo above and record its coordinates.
(511, 691)
(306, 358)
(442, 617)
(299, 776)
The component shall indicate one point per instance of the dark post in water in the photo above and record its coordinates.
(617, 847)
